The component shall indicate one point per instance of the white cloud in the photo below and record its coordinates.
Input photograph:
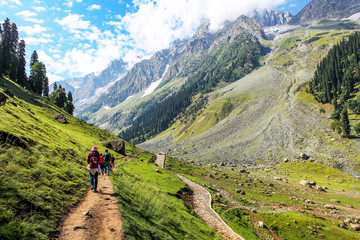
(72, 22)
(28, 16)
(69, 4)
(31, 30)
(4, 2)
(94, 7)
(39, 9)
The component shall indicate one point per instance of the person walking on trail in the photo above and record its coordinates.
(107, 162)
(93, 160)
(101, 165)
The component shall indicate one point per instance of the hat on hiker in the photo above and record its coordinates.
(94, 148)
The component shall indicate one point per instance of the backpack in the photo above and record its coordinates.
(107, 157)
(94, 161)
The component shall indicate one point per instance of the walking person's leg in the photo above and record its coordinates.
(96, 181)
(91, 181)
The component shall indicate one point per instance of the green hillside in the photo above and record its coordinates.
(43, 172)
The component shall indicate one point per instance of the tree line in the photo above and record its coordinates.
(335, 81)
(13, 65)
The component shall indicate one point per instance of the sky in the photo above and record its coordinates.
(77, 37)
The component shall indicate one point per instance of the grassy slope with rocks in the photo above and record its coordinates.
(245, 195)
(43, 172)
(267, 118)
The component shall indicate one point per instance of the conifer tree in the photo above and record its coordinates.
(70, 97)
(55, 86)
(345, 123)
(32, 81)
(14, 38)
(5, 47)
(21, 77)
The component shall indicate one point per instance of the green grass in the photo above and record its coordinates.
(281, 196)
(43, 170)
(150, 205)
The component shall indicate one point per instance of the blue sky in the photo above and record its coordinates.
(77, 37)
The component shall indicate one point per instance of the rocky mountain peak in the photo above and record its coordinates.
(318, 10)
(271, 17)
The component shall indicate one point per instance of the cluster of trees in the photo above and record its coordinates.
(335, 82)
(58, 97)
(225, 65)
(13, 64)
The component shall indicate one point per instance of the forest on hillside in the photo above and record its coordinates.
(336, 81)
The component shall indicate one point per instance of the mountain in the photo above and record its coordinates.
(271, 17)
(168, 70)
(87, 89)
(318, 10)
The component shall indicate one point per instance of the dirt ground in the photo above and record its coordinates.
(96, 217)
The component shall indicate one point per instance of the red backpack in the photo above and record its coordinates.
(94, 160)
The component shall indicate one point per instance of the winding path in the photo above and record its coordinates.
(202, 207)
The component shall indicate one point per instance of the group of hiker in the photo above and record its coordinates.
(99, 164)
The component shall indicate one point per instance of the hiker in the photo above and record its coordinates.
(101, 165)
(93, 160)
(107, 162)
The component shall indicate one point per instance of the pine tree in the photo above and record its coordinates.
(69, 96)
(55, 86)
(21, 77)
(5, 47)
(33, 86)
(345, 123)
(14, 38)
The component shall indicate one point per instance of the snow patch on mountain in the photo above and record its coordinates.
(353, 17)
(155, 84)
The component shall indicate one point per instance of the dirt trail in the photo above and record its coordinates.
(202, 207)
(97, 216)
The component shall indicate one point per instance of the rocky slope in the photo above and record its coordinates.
(318, 10)
(272, 17)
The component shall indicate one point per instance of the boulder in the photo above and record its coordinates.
(116, 145)
(328, 206)
(278, 178)
(3, 99)
(334, 200)
(320, 188)
(304, 156)
(286, 160)
(312, 183)
(304, 182)
(355, 227)
(60, 118)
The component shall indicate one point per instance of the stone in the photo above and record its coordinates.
(261, 224)
(334, 200)
(304, 182)
(286, 160)
(116, 145)
(329, 206)
(60, 118)
(347, 221)
(355, 227)
(156, 170)
(278, 178)
(304, 156)
(312, 183)
(320, 188)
